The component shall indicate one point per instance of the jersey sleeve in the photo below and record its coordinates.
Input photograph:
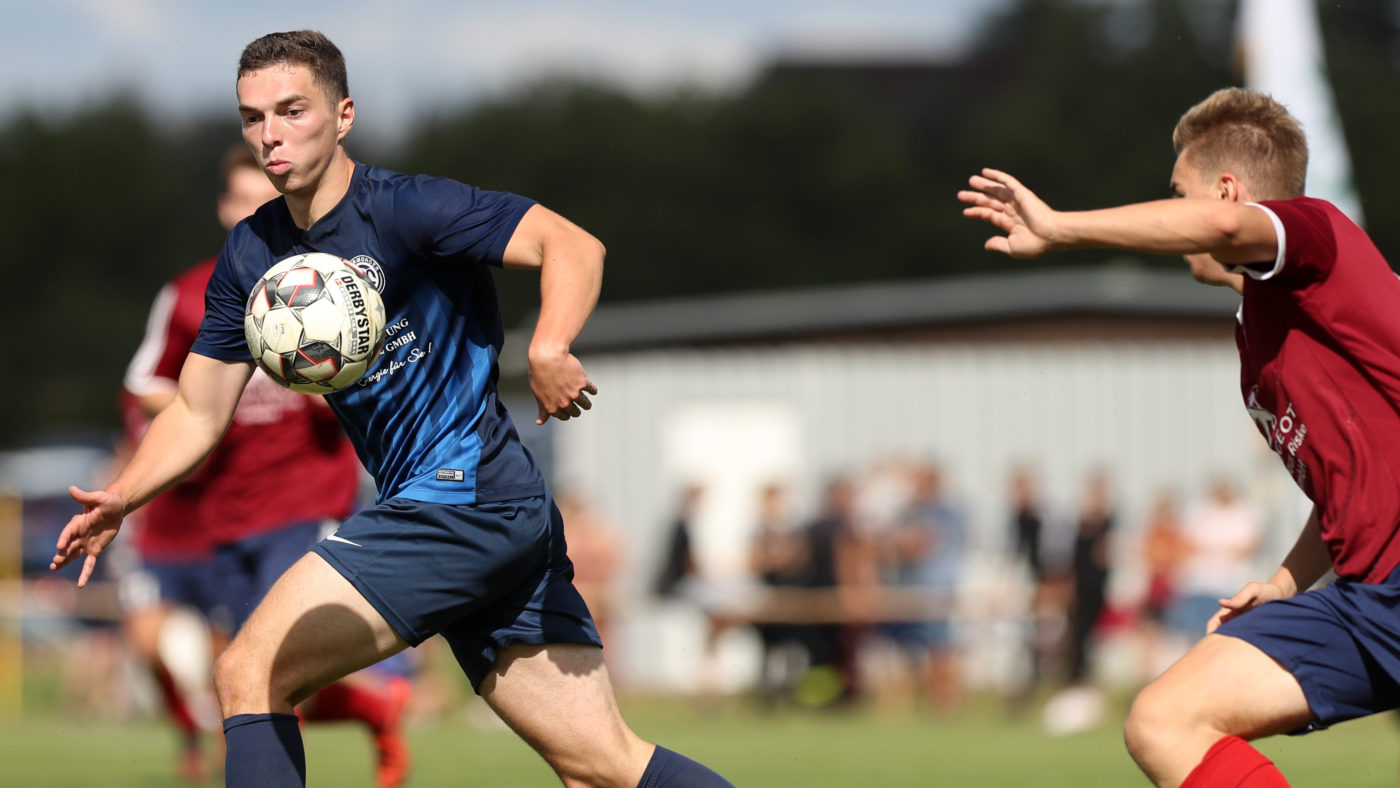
(1307, 246)
(445, 218)
(221, 332)
(149, 371)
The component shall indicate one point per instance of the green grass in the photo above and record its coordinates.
(979, 747)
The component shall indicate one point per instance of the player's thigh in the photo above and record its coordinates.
(312, 628)
(1225, 685)
(560, 699)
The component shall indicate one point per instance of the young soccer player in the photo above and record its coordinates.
(1319, 340)
(464, 540)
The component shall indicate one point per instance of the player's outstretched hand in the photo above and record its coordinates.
(1251, 596)
(1002, 201)
(89, 532)
(560, 385)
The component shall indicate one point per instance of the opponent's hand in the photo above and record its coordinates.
(1251, 596)
(1002, 201)
(89, 532)
(560, 385)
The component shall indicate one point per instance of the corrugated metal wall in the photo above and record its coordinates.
(1155, 414)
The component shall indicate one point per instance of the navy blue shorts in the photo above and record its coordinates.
(1341, 642)
(176, 583)
(485, 575)
(246, 569)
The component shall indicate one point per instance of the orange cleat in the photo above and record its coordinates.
(191, 766)
(389, 743)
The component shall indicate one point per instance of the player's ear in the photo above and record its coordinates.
(345, 120)
(1229, 187)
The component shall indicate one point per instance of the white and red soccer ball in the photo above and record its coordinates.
(314, 324)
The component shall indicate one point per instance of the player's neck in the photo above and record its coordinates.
(307, 207)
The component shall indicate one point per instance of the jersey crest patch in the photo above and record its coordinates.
(369, 267)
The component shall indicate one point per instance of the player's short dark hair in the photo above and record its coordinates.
(307, 48)
(1249, 134)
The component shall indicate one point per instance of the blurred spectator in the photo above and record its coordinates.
(1080, 705)
(1050, 584)
(596, 551)
(1091, 568)
(1221, 536)
(678, 564)
(835, 563)
(924, 553)
(1027, 520)
(779, 558)
(1163, 549)
(1091, 571)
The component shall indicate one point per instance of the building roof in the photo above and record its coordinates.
(1123, 290)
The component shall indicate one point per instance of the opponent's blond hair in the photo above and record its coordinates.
(1249, 134)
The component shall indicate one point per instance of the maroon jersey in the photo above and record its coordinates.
(285, 458)
(167, 528)
(1319, 341)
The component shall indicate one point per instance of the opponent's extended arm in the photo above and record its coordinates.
(570, 262)
(1232, 232)
(178, 439)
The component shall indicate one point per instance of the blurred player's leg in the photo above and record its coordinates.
(312, 628)
(559, 699)
(1223, 688)
(378, 701)
(164, 608)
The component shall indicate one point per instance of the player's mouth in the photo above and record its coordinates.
(279, 166)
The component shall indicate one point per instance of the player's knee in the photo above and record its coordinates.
(242, 688)
(1153, 724)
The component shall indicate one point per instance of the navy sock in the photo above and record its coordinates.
(667, 769)
(264, 751)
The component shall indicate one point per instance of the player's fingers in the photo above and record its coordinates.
(542, 414)
(84, 497)
(990, 189)
(590, 387)
(583, 401)
(1220, 617)
(88, 565)
(1000, 178)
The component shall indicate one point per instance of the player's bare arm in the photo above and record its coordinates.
(1304, 565)
(178, 439)
(570, 262)
(1228, 230)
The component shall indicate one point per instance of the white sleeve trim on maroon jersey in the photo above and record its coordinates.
(1282, 248)
(140, 377)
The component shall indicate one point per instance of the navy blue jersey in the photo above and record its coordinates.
(425, 419)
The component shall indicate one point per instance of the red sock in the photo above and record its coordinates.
(175, 702)
(1233, 763)
(343, 701)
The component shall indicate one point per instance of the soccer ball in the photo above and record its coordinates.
(314, 324)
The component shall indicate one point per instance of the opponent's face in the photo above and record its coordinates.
(247, 189)
(291, 126)
(1189, 182)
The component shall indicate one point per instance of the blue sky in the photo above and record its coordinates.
(179, 55)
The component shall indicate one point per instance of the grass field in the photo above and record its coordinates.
(980, 747)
